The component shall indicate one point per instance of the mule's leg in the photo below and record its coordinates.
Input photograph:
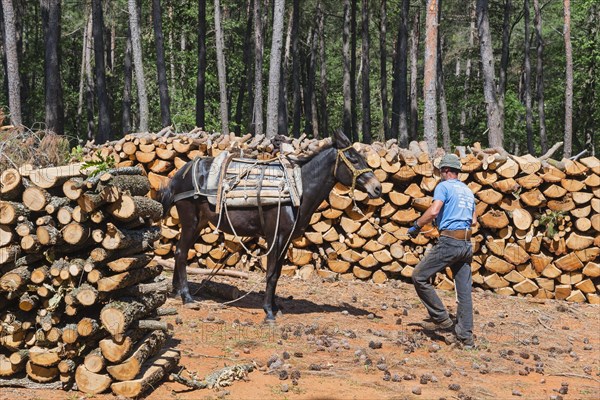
(191, 224)
(275, 260)
(273, 274)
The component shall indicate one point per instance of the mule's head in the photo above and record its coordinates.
(351, 169)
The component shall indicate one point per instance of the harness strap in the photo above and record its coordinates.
(355, 172)
(261, 214)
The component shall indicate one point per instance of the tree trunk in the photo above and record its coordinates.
(127, 77)
(466, 110)
(506, 28)
(568, 139)
(346, 86)
(540, 76)
(399, 126)
(12, 63)
(527, 79)
(163, 86)
(383, 69)
(414, 96)
(310, 112)
(53, 85)
(324, 123)
(90, 85)
(495, 114)
(258, 66)
(296, 98)
(246, 57)
(366, 87)
(201, 76)
(275, 68)
(104, 132)
(429, 75)
(136, 42)
(442, 93)
(354, 131)
(221, 69)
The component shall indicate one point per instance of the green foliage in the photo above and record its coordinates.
(76, 154)
(99, 164)
(551, 221)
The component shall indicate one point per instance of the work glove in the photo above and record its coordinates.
(414, 230)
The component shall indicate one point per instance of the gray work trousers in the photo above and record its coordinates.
(456, 254)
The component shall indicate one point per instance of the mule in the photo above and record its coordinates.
(335, 162)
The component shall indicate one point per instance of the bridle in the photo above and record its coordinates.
(355, 172)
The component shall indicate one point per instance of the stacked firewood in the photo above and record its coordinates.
(539, 218)
(79, 292)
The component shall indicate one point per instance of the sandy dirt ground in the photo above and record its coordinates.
(358, 340)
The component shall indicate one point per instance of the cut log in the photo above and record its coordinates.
(592, 269)
(54, 176)
(116, 239)
(11, 185)
(133, 185)
(494, 219)
(87, 327)
(15, 279)
(497, 265)
(76, 233)
(129, 278)
(156, 370)
(35, 198)
(489, 196)
(128, 208)
(72, 188)
(44, 357)
(11, 211)
(94, 361)
(515, 254)
(145, 349)
(533, 198)
(569, 263)
(521, 219)
(38, 373)
(579, 242)
(90, 382)
(118, 315)
(116, 351)
(130, 263)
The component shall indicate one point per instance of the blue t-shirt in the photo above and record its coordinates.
(459, 204)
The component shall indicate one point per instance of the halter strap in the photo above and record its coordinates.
(355, 172)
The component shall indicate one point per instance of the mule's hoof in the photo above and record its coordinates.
(194, 305)
(270, 321)
(279, 313)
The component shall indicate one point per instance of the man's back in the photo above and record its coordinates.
(459, 205)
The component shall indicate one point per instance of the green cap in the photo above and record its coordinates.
(450, 161)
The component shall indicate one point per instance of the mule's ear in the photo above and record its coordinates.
(340, 140)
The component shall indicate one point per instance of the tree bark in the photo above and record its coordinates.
(12, 63)
(90, 86)
(275, 68)
(324, 122)
(366, 87)
(346, 86)
(163, 86)
(429, 75)
(296, 98)
(414, 96)
(442, 93)
(53, 87)
(201, 76)
(258, 66)
(353, 115)
(136, 43)
(495, 114)
(127, 78)
(504, 59)
(399, 126)
(383, 69)
(246, 57)
(568, 136)
(104, 132)
(540, 76)
(527, 78)
(221, 69)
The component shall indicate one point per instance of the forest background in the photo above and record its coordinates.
(519, 74)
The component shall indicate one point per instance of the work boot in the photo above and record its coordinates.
(455, 341)
(437, 326)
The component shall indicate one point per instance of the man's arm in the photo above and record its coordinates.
(474, 221)
(432, 212)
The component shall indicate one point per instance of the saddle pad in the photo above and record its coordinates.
(238, 182)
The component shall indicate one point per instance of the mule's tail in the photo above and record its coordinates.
(165, 196)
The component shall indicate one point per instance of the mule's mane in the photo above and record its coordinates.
(311, 152)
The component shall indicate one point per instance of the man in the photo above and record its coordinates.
(453, 208)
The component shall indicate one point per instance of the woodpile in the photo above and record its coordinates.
(539, 218)
(79, 292)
